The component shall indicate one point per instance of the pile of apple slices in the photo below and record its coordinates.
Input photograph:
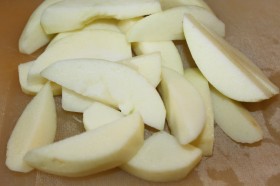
(89, 62)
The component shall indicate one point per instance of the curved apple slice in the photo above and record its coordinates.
(93, 151)
(163, 159)
(227, 69)
(184, 105)
(167, 25)
(167, 4)
(127, 89)
(72, 14)
(35, 127)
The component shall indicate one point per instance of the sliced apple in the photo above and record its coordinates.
(234, 119)
(33, 36)
(232, 73)
(167, 4)
(167, 25)
(71, 15)
(100, 79)
(35, 127)
(184, 106)
(126, 24)
(163, 159)
(85, 44)
(98, 115)
(205, 140)
(93, 151)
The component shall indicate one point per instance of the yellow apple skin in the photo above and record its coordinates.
(93, 151)
(35, 127)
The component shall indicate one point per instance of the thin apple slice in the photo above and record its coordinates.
(184, 106)
(163, 159)
(75, 14)
(35, 127)
(234, 119)
(167, 4)
(126, 24)
(33, 36)
(93, 151)
(85, 44)
(167, 25)
(98, 115)
(100, 79)
(232, 73)
(205, 140)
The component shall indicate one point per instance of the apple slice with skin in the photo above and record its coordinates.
(167, 25)
(234, 119)
(205, 140)
(231, 72)
(93, 151)
(176, 162)
(33, 36)
(98, 115)
(73, 14)
(127, 89)
(184, 105)
(35, 127)
(167, 4)
(85, 44)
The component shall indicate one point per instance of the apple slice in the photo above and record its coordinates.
(234, 119)
(205, 140)
(98, 115)
(33, 36)
(72, 14)
(163, 159)
(184, 106)
(100, 79)
(167, 25)
(232, 73)
(35, 127)
(23, 70)
(126, 24)
(167, 4)
(85, 44)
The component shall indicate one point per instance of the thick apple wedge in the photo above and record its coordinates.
(184, 106)
(234, 119)
(73, 14)
(227, 69)
(99, 114)
(167, 25)
(93, 151)
(163, 159)
(35, 127)
(85, 44)
(23, 70)
(33, 36)
(167, 4)
(205, 140)
(100, 80)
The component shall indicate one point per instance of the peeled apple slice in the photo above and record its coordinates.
(35, 127)
(163, 159)
(167, 25)
(234, 119)
(227, 69)
(167, 4)
(93, 151)
(184, 106)
(125, 87)
(75, 14)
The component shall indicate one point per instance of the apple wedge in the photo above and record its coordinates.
(228, 70)
(205, 140)
(72, 14)
(163, 159)
(234, 119)
(93, 151)
(167, 4)
(33, 36)
(35, 127)
(100, 80)
(23, 70)
(167, 25)
(85, 44)
(184, 106)
(98, 115)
